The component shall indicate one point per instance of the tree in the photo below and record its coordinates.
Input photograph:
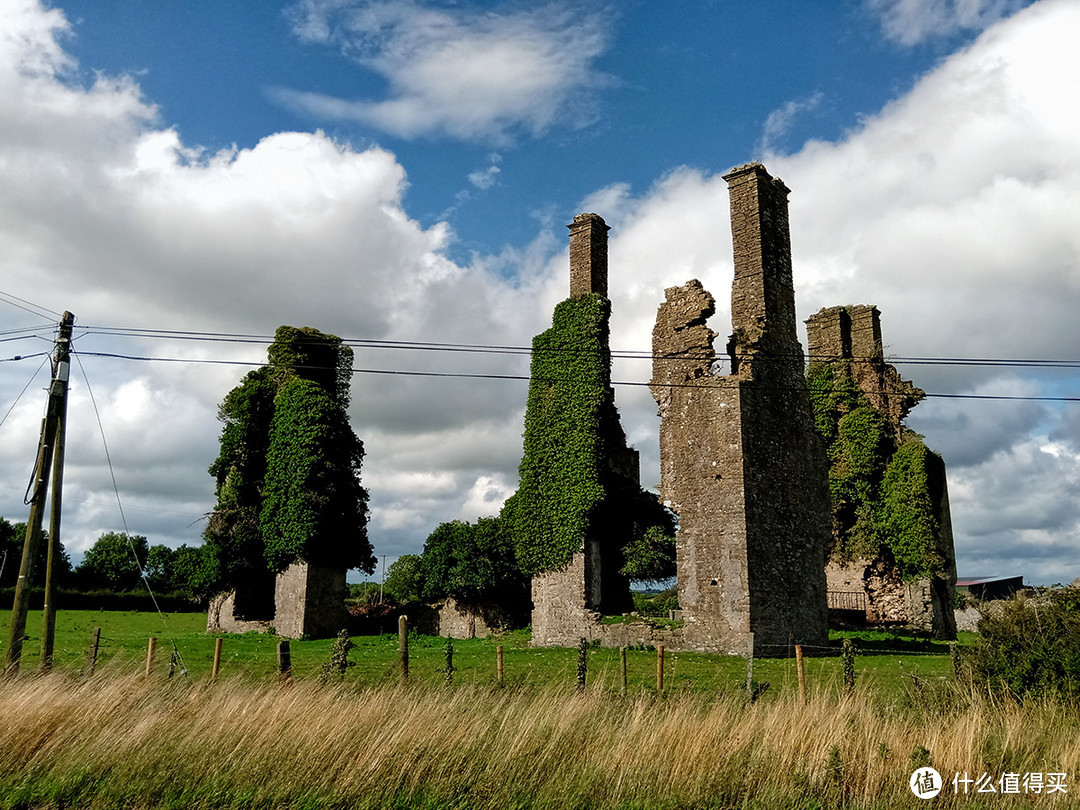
(404, 579)
(471, 562)
(12, 538)
(111, 562)
(288, 470)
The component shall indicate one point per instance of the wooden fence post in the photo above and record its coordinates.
(403, 645)
(849, 667)
(802, 673)
(660, 668)
(151, 648)
(750, 667)
(582, 663)
(217, 659)
(92, 653)
(284, 661)
(448, 670)
(499, 663)
(622, 666)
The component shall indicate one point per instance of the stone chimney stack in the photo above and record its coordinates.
(763, 294)
(588, 255)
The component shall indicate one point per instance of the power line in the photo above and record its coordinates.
(526, 378)
(630, 354)
(30, 306)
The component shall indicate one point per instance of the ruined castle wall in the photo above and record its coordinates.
(741, 462)
(310, 601)
(851, 335)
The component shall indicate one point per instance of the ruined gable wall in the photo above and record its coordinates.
(852, 335)
(740, 460)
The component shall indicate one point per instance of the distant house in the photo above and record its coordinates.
(990, 587)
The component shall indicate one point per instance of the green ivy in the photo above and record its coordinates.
(566, 485)
(880, 492)
(288, 470)
(313, 507)
(909, 515)
(560, 475)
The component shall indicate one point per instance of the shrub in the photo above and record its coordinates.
(1031, 646)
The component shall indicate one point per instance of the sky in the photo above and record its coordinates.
(404, 171)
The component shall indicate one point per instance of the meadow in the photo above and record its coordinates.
(119, 739)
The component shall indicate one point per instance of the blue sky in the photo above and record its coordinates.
(405, 170)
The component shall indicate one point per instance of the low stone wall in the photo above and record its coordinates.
(221, 618)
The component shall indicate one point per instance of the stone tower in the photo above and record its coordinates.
(849, 337)
(741, 461)
(588, 255)
(568, 604)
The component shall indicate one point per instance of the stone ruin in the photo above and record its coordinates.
(874, 587)
(569, 604)
(307, 600)
(741, 461)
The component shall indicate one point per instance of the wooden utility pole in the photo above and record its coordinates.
(49, 450)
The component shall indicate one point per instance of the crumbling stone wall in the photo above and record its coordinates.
(850, 336)
(309, 600)
(568, 604)
(741, 462)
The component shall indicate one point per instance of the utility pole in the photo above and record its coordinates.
(381, 584)
(50, 448)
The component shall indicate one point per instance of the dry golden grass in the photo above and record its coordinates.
(124, 741)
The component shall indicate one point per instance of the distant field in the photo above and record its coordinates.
(888, 663)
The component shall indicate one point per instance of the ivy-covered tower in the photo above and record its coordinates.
(892, 545)
(578, 499)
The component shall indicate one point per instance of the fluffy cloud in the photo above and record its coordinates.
(912, 21)
(953, 210)
(469, 74)
(109, 215)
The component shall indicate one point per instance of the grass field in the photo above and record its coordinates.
(888, 664)
(122, 740)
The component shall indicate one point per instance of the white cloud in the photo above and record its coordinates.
(910, 22)
(485, 178)
(108, 214)
(459, 72)
(779, 121)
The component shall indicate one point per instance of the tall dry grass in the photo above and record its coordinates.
(121, 741)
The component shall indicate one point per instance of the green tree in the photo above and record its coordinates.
(159, 568)
(12, 538)
(111, 562)
(1031, 647)
(471, 562)
(404, 579)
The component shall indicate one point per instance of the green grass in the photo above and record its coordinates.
(888, 663)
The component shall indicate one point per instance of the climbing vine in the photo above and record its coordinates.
(560, 472)
(567, 487)
(880, 491)
(287, 474)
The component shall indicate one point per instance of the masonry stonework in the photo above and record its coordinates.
(588, 255)
(851, 335)
(568, 604)
(309, 600)
(741, 462)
